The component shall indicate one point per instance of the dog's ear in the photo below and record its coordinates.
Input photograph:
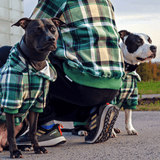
(123, 33)
(149, 40)
(57, 22)
(23, 22)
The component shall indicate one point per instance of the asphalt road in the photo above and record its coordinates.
(149, 96)
(145, 146)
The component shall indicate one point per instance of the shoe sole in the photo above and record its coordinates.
(108, 119)
(51, 142)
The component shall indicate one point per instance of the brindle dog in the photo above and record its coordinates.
(40, 38)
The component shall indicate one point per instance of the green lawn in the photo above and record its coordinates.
(149, 107)
(148, 87)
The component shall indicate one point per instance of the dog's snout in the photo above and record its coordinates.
(153, 48)
(50, 39)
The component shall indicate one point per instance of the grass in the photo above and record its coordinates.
(149, 87)
(148, 107)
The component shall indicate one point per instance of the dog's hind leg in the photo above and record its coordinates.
(3, 136)
(128, 122)
(33, 119)
(14, 152)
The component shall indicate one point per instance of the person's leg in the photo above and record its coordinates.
(59, 109)
(101, 118)
(69, 101)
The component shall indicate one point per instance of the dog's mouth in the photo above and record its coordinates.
(47, 48)
(153, 55)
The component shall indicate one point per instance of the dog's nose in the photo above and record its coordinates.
(50, 39)
(153, 49)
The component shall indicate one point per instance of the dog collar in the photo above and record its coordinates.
(31, 55)
(130, 67)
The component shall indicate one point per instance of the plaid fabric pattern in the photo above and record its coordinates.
(128, 94)
(89, 42)
(14, 87)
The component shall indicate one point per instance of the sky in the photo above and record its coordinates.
(136, 16)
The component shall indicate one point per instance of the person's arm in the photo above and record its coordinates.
(48, 9)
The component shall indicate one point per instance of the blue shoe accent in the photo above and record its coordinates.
(93, 110)
(47, 126)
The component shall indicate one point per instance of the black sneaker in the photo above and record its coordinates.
(45, 137)
(102, 120)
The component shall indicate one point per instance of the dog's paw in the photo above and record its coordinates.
(40, 150)
(131, 131)
(117, 130)
(81, 130)
(25, 147)
(79, 133)
(16, 154)
(82, 133)
(114, 132)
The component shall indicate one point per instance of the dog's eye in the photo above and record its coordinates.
(52, 29)
(139, 41)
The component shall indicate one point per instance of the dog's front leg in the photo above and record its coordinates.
(14, 152)
(33, 119)
(128, 122)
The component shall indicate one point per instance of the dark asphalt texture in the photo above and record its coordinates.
(145, 146)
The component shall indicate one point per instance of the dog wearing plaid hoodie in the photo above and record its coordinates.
(136, 48)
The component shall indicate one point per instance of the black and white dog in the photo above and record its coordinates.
(136, 48)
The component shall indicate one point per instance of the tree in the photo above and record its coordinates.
(154, 71)
(144, 71)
